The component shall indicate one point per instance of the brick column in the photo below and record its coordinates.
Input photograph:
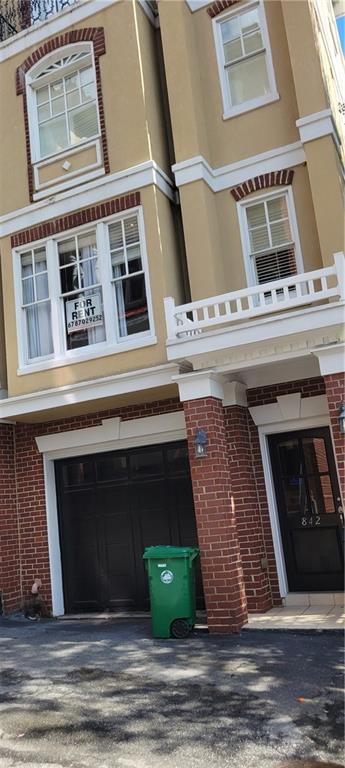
(335, 391)
(215, 517)
(10, 577)
(247, 510)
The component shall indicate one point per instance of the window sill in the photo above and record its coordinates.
(63, 177)
(249, 106)
(81, 357)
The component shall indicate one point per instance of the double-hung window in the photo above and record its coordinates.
(35, 303)
(84, 293)
(270, 238)
(81, 290)
(244, 59)
(128, 277)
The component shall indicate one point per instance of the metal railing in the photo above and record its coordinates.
(188, 320)
(16, 15)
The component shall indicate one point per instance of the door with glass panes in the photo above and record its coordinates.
(309, 507)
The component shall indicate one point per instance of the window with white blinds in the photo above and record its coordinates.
(271, 244)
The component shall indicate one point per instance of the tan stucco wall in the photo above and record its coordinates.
(214, 249)
(164, 281)
(306, 67)
(3, 372)
(78, 161)
(131, 96)
(195, 94)
(327, 185)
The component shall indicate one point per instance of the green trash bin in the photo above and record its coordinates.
(171, 576)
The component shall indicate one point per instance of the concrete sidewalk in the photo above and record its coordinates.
(106, 695)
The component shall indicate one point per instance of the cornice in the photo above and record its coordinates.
(106, 187)
(88, 391)
(227, 176)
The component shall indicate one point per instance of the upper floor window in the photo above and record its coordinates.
(244, 59)
(62, 102)
(270, 238)
(86, 289)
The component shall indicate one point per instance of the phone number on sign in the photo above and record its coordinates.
(85, 321)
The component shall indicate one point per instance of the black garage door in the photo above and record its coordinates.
(113, 505)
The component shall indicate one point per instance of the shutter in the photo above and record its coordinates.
(275, 265)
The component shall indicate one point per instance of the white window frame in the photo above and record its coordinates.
(242, 205)
(114, 343)
(246, 106)
(33, 82)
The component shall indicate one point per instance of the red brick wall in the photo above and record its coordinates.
(30, 485)
(249, 523)
(269, 394)
(335, 391)
(229, 493)
(215, 517)
(9, 544)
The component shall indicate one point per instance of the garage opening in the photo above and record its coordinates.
(111, 506)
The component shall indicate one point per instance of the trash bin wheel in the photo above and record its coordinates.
(180, 628)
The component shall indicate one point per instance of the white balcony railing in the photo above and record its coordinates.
(188, 320)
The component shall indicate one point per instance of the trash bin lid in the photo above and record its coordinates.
(160, 552)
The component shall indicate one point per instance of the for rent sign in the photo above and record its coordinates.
(84, 312)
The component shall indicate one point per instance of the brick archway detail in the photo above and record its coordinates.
(273, 179)
(95, 35)
(219, 6)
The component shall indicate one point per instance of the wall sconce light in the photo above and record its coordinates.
(200, 442)
(341, 418)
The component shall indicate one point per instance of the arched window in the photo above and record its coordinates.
(62, 101)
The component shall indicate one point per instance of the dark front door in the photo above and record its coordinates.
(310, 514)
(113, 505)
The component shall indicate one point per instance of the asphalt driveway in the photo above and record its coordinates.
(106, 695)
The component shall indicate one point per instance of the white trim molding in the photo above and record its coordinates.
(289, 408)
(277, 159)
(199, 384)
(94, 192)
(112, 434)
(235, 393)
(88, 391)
(316, 125)
(331, 359)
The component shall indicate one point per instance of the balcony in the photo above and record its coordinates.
(17, 15)
(298, 312)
